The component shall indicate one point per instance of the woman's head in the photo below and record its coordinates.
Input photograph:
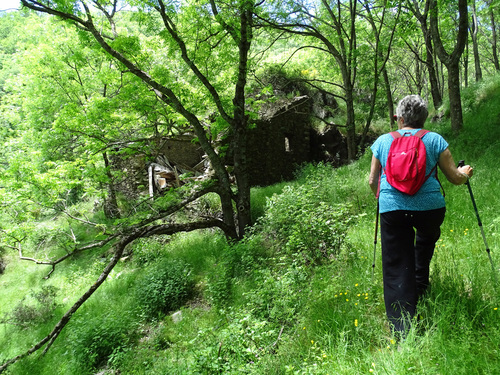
(413, 110)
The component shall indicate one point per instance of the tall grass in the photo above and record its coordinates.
(258, 308)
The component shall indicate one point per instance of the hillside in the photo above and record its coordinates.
(296, 297)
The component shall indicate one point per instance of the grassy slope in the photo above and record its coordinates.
(289, 318)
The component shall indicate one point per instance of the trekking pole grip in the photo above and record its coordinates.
(461, 163)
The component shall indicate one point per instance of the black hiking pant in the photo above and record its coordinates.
(408, 241)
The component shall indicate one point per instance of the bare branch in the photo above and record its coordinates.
(120, 246)
(87, 222)
(54, 263)
(120, 232)
(330, 123)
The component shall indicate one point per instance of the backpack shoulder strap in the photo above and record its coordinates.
(395, 134)
(421, 133)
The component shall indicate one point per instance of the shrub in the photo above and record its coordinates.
(235, 345)
(165, 288)
(100, 340)
(309, 229)
(219, 284)
(148, 250)
(238, 261)
(38, 307)
(279, 297)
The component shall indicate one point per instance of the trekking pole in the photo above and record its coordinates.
(375, 241)
(461, 163)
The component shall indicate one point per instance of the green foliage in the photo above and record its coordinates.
(275, 79)
(237, 261)
(260, 196)
(310, 229)
(99, 340)
(164, 288)
(146, 251)
(37, 308)
(480, 94)
(219, 285)
(236, 346)
(278, 297)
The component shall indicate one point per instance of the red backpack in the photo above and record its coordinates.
(406, 163)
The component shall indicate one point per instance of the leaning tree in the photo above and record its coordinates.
(194, 57)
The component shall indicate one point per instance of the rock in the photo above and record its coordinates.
(177, 317)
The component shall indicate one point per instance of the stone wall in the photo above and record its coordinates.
(182, 151)
(280, 142)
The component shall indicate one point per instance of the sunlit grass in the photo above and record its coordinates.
(258, 311)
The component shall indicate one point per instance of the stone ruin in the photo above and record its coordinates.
(279, 142)
(176, 160)
(283, 138)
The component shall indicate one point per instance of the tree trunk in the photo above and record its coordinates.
(352, 147)
(388, 95)
(454, 96)
(466, 65)
(430, 59)
(241, 125)
(494, 40)
(418, 79)
(440, 74)
(475, 47)
(372, 104)
(111, 210)
(437, 98)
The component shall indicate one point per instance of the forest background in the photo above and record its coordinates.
(271, 279)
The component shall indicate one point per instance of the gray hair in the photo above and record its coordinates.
(413, 109)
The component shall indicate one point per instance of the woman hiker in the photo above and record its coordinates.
(410, 224)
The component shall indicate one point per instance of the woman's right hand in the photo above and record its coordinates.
(466, 170)
(457, 176)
